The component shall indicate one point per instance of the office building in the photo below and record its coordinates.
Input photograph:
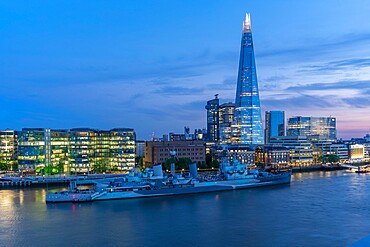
(356, 152)
(213, 131)
(313, 127)
(226, 119)
(274, 124)
(159, 151)
(242, 153)
(82, 144)
(122, 150)
(74, 151)
(272, 158)
(33, 150)
(59, 151)
(247, 127)
(9, 149)
(140, 148)
(327, 147)
(301, 151)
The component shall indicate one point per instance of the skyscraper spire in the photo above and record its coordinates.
(247, 127)
(247, 23)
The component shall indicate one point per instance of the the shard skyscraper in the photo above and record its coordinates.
(247, 127)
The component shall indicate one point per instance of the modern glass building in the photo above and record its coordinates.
(8, 148)
(313, 127)
(74, 151)
(247, 127)
(122, 149)
(213, 131)
(226, 116)
(102, 151)
(33, 151)
(82, 150)
(59, 151)
(274, 124)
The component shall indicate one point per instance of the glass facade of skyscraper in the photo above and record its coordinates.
(247, 127)
(313, 127)
(274, 124)
(226, 116)
(213, 131)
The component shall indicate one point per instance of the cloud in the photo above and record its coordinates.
(177, 90)
(333, 66)
(318, 47)
(360, 85)
(297, 101)
(358, 102)
(226, 84)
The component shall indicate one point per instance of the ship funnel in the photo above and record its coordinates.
(193, 170)
(158, 171)
(173, 171)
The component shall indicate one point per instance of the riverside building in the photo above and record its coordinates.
(122, 149)
(247, 126)
(9, 148)
(356, 152)
(272, 158)
(33, 149)
(74, 151)
(160, 151)
(59, 151)
(83, 150)
(301, 151)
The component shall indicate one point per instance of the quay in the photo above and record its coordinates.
(39, 181)
(7, 182)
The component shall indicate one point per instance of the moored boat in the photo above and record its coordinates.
(154, 183)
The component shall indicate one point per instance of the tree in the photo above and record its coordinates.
(332, 158)
(140, 162)
(101, 166)
(60, 166)
(3, 166)
(211, 161)
(15, 165)
(180, 163)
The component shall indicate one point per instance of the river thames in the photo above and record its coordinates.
(316, 209)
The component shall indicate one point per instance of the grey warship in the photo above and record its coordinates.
(154, 183)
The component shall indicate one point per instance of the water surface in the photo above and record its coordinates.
(316, 209)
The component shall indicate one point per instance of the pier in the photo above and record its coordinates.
(14, 182)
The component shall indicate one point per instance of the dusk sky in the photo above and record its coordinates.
(152, 65)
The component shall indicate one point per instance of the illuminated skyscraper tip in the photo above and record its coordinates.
(247, 23)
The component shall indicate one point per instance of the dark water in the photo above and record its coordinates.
(316, 209)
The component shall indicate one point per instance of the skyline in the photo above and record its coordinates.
(150, 66)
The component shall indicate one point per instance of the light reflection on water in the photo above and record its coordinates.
(317, 209)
